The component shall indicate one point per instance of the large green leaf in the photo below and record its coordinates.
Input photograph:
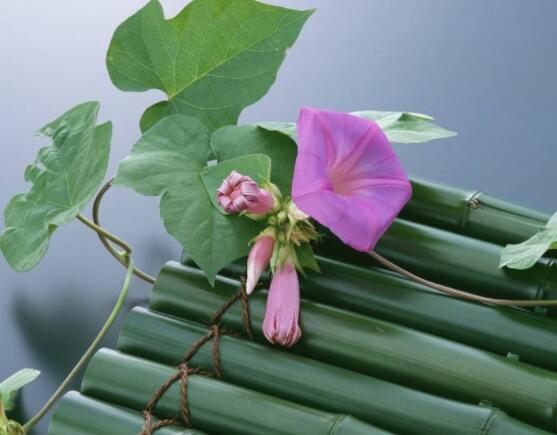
(256, 166)
(213, 59)
(9, 387)
(168, 160)
(65, 176)
(524, 255)
(399, 127)
(234, 141)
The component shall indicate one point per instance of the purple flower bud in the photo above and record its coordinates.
(239, 193)
(283, 307)
(258, 259)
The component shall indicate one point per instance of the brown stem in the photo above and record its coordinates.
(458, 293)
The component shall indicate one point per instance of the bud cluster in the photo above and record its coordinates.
(288, 228)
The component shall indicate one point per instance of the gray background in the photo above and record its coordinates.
(484, 69)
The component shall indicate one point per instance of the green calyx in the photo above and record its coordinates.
(3, 418)
(292, 231)
(9, 427)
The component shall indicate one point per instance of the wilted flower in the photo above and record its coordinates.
(347, 176)
(283, 307)
(239, 193)
(258, 259)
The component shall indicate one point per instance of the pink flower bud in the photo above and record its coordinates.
(258, 259)
(283, 307)
(239, 193)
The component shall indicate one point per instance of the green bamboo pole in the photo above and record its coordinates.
(377, 348)
(80, 415)
(451, 259)
(251, 365)
(384, 295)
(471, 213)
(215, 406)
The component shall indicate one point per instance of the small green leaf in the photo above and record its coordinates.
(256, 166)
(65, 176)
(524, 255)
(10, 386)
(306, 258)
(168, 161)
(212, 60)
(406, 127)
(235, 141)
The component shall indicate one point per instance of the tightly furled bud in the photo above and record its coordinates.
(239, 193)
(258, 259)
(283, 307)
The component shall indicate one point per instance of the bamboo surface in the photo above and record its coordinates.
(377, 348)
(375, 292)
(393, 407)
(80, 415)
(471, 213)
(215, 406)
(454, 260)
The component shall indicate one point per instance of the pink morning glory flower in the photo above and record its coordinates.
(239, 193)
(347, 176)
(280, 325)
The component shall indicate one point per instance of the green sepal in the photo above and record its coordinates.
(305, 258)
(10, 386)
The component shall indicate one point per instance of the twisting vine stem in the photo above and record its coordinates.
(89, 352)
(458, 293)
(124, 257)
(106, 238)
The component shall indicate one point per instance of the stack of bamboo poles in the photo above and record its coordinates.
(379, 354)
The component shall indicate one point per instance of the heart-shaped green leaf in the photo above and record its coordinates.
(65, 176)
(168, 160)
(256, 166)
(235, 141)
(524, 255)
(399, 127)
(10, 386)
(213, 59)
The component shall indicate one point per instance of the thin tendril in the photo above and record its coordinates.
(89, 352)
(459, 293)
(106, 238)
